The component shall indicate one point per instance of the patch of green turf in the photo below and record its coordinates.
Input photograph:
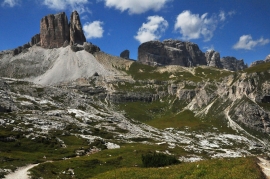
(236, 168)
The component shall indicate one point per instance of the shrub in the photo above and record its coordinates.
(158, 160)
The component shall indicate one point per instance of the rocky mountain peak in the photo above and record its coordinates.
(54, 30)
(171, 52)
(76, 32)
(213, 59)
(125, 54)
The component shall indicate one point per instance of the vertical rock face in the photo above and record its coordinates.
(35, 39)
(171, 52)
(125, 54)
(213, 59)
(54, 30)
(231, 63)
(76, 32)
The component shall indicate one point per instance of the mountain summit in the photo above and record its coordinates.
(55, 31)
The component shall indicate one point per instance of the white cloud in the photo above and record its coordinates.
(222, 15)
(93, 30)
(136, 6)
(10, 3)
(78, 5)
(246, 42)
(231, 13)
(152, 30)
(194, 26)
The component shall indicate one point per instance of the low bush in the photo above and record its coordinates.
(158, 160)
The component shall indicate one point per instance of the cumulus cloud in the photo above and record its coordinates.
(78, 5)
(194, 26)
(10, 3)
(152, 30)
(136, 6)
(247, 43)
(93, 30)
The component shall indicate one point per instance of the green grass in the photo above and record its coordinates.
(170, 113)
(145, 72)
(258, 68)
(129, 155)
(32, 150)
(212, 73)
(237, 168)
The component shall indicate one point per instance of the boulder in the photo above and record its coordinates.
(76, 48)
(171, 52)
(89, 47)
(125, 54)
(76, 32)
(54, 30)
(213, 59)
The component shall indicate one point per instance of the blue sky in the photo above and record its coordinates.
(239, 28)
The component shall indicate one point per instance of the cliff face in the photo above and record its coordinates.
(54, 30)
(213, 59)
(187, 54)
(171, 52)
(76, 32)
(231, 63)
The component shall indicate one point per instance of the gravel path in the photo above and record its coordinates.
(21, 173)
(265, 166)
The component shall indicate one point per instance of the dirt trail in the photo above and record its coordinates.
(265, 166)
(20, 173)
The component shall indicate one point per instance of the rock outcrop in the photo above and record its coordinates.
(171, 52)
(54, 30)
(89, 47)
(231, 63)
(76, 32)
(213, 59)
(125, 54)
(35, 40)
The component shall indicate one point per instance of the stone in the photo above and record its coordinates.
(76, 48)
(231, 63)
(76, 32)
(213, 59)
(125, 54)
(89, 47)
(171, 52)
(35, 40)
(54, 30)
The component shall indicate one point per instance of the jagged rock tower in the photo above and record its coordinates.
(76, 32)
(55, 31)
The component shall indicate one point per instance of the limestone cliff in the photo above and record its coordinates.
(54, 30)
